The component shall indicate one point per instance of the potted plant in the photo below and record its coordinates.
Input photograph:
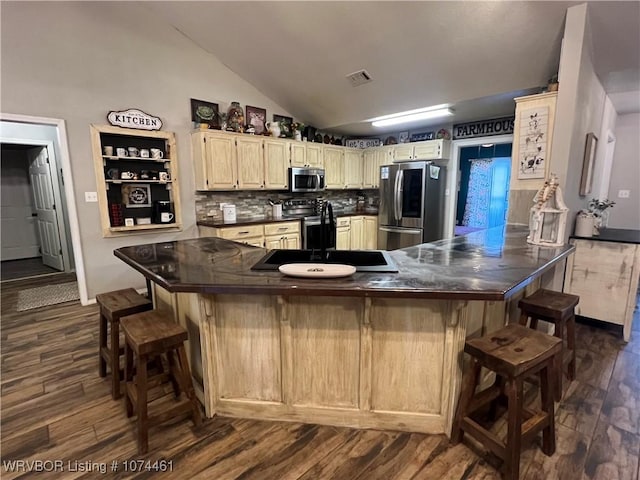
(590, 219)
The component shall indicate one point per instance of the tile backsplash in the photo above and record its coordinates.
(256, 203)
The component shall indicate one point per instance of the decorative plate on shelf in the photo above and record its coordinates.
(317, 270)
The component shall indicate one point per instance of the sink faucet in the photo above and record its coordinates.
(326, 231)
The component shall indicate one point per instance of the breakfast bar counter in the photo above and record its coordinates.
(372, 350)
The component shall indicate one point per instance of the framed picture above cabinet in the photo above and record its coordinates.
(137, 180)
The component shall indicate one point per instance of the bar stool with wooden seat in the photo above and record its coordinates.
(148, 335)
(113, 306)
(513, 353)
(557, 308)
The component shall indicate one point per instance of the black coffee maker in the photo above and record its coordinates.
(162, 212)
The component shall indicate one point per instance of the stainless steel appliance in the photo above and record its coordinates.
(307, 210)
(411, 208)
(306, 179)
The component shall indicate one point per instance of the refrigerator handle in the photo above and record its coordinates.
(400, 190)
(395, 196)
(410, 231)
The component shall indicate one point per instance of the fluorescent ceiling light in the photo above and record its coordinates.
(411, 116)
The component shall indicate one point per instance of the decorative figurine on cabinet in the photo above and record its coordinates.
(548, 217)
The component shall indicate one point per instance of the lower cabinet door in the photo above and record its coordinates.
(273, 242)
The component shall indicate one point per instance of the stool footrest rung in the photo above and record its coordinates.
(488, 439)
(481, 399)
(532, 426)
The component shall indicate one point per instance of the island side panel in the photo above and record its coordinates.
(325, 349)
(408, 347)
(247, 350)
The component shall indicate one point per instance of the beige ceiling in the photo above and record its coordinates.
(475, 56)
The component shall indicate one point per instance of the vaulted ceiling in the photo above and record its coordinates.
(474, 56)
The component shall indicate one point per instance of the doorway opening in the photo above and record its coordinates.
(483, 194)
(31, 228)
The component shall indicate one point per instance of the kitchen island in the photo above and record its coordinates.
(374, 350)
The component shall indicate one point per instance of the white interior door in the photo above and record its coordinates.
(45, 208)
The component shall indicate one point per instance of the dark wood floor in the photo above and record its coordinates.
(54, 406)
(24, 268)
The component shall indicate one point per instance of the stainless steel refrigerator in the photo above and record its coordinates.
(411, 204)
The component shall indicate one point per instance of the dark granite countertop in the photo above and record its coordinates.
(485, 265)
(246, 220)
(617, 235)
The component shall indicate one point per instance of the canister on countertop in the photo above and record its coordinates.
(228, 212)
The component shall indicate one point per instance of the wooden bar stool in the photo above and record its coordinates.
(113, 306)
(147, 335)
(513, 353)
(559, 309)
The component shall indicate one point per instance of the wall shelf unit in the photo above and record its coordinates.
(153, 190)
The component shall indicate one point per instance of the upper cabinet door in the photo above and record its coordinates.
(250, 151)
(370, 168)
(403, 152)
(314, 155)
(220, 153)
(353, 168)
(334, 167)
(298, 154)
(276, 161)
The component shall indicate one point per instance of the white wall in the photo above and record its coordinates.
(91, 57)
(580, 107)
(625, 174)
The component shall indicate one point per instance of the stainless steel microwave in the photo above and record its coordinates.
(306, 179)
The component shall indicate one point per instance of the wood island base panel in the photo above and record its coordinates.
(381, 351)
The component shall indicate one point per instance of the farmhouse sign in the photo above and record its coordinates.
(133, 118)
(484, 128)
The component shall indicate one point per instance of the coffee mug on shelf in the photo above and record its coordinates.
(166, 217)
(113, 174)
(144, 153)
(164, 176)
(127, 175)
(157, 153)
(133, 151)
(107, 150)
(121, 152)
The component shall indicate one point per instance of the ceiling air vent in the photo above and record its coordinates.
(359, 78)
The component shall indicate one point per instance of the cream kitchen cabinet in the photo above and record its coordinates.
(227, 161)
(363, 232)
(249, 234)
(356, 236)
(343, 233)
(604, 274)
(298, 154)
(353, 168)
(250, 158)
(282, 235)
(215, 164)
(269, 235)
(314, 155)
(428, 150)
(370, 233)
(276, 163)
(334, 167)
(374, 158)
(369, 168)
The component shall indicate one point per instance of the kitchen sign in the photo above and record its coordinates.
(363, 142)
(484, 128)
(134, 118)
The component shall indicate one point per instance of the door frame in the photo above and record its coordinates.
(63, 163)
(454, 166)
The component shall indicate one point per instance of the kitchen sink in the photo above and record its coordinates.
(363, 260)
